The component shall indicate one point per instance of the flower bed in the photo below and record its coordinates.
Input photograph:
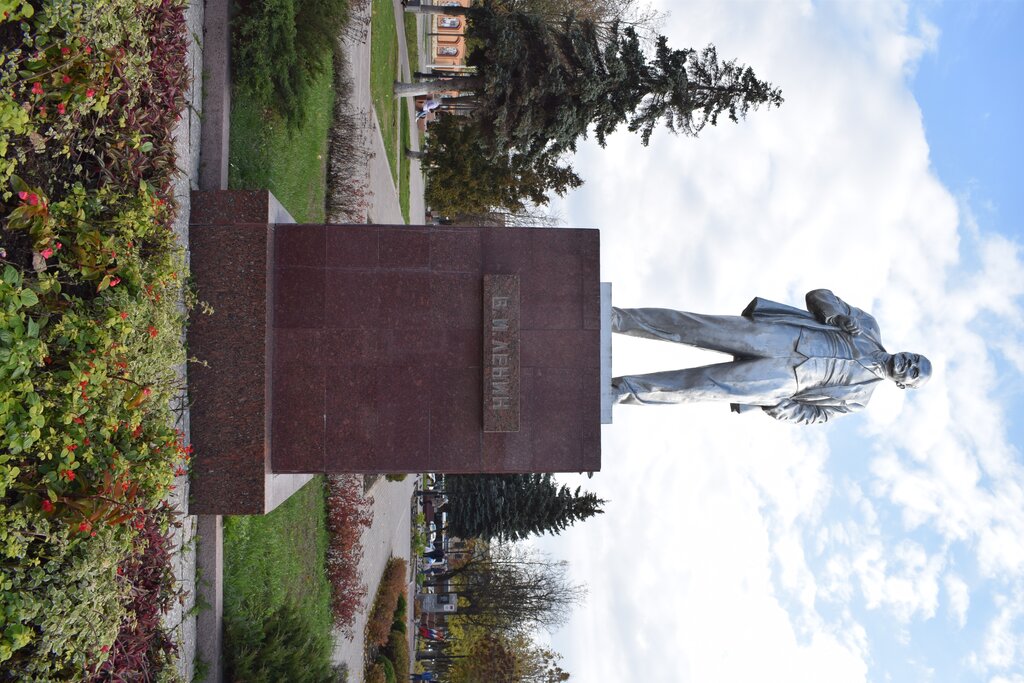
(90, 324)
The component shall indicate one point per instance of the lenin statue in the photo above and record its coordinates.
(798, 366)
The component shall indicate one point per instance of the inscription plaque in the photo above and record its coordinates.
(501, 353)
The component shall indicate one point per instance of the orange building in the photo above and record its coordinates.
(446, 38)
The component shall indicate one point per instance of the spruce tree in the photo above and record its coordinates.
(542, 83)
(514, 506)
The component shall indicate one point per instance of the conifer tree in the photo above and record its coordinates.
(542, 83)
(514, 506)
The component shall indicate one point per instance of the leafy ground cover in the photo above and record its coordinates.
(349, 514)
(91, 333)
(274, 574)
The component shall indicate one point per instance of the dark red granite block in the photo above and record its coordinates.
(555, 301)
(363, 350)
(455, 250)
(455, 299)
(353, 347)
(459, 350)
(415, 347)
(352, 246)
(229, 414)
(354, 301)
(297, 423)
(455, 436)
(300, 245)
(404, 247)
(557, 419)
(299, 346)
(507, 250)
(227, 207)
(403, 430)
(298, 297)
(405, 299)
(561, 349)
(352, 417)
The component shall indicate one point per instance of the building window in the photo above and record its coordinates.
(449, 22)
(447, 51)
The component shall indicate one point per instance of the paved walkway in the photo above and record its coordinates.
(390, 535)
(384, 207)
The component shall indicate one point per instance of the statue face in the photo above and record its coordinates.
(909, 369)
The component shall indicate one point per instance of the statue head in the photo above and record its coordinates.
(908, 369)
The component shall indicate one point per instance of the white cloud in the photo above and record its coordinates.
(959, 597)
(718, 558)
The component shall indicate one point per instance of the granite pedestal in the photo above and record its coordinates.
(369, 349)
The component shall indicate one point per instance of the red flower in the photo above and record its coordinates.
(66, 79)
(33, 198)
(37, 88)
(23, 195)
(153, 331)
(146, 391)
(88, 50)
(65, 51)
(181, 471)
(46, 253)
(78, 420)
(69, 474)
(42, 111)
(114, 281)
(47, 506)
(124, 315)
(59, 246)
(89, 93)
(84, 526)
(61, 108)
(71, 447)
(137, 431)
(85, 442)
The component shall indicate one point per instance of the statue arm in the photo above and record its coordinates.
(806, 413)
(828, 308)
(825, 306)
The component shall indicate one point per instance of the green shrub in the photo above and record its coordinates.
(280, 46)
(399, 625)
(401, 608)
(396, 477)
(285, 648)
(389, 669)
(65, 604)
(398, 652)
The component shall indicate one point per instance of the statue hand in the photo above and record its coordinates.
(846, 324)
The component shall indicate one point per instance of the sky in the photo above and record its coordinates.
(888, 545)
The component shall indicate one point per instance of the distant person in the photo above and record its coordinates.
(428, 106)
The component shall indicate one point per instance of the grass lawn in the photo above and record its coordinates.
(265, 154)
(403, 191)
(383, 72)
(411, 42)
(277, 557)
